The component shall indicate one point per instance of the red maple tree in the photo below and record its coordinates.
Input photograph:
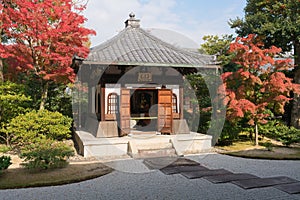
(259, 87)
(42, 38)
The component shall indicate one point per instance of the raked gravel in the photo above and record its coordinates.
(133, 180)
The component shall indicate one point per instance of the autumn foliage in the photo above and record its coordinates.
(259, 88)
(43, 37)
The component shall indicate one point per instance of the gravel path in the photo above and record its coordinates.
(155, 185)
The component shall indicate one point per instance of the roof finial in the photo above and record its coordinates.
(132, 21)
(131, 15)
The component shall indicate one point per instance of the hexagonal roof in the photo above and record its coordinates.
(135, 46)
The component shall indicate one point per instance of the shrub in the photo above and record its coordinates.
(13, 102)
(4, 148)
(277, 130)
(229, 133)
(46, 154)
(4, 162)
(36, 125)
(268, 145)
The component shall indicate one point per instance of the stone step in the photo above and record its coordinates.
(151, 153)
(136, 132)
(158, 145)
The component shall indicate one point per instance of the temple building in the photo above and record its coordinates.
(132, 96)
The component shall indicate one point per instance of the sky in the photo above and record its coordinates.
(191, 19)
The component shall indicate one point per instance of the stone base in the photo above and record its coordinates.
(183, 144)
(192, 143)
(90, 146)
(107, 129)
(180, 126)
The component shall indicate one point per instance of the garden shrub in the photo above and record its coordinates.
(204, 122)
(13, 102)
(4, 162)
(4, 148)
(36, 125)
(277, 130)
(268, 145)
(46, 154)
(230, 132)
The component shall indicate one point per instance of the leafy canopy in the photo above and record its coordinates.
(276, 20)
(259, 87)
(219, 46)
(43, 37)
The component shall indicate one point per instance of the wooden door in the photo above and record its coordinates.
(124, 112)
(164, 115)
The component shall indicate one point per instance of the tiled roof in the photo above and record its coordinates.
(135, 46)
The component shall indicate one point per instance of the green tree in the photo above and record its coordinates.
(58, 98)
(219, 46)
(277, 21)
(203, 103)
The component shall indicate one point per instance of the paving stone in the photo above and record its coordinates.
(291, 188)
(159, 163)
(184, 162)
(178, 169)
(223, 178)
(203, 173)
(263, 182)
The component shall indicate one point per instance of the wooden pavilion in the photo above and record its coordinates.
(134, 85)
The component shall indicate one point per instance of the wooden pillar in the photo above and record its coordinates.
(102, 103)
(181, 102)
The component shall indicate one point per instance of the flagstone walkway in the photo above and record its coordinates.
(192, 170)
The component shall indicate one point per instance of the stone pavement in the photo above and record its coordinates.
(136, 180)
(192, 170)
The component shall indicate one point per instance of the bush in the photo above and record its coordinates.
(277, 130)
(46, 154)
(4, 162)
(268, 145)
(13, 102)
(36, 125)
(4, 148)
(229, 133)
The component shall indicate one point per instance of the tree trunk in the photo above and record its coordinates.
(295, 113)
(256, 134)
(1, 69)
(44, 87)
(1, 65)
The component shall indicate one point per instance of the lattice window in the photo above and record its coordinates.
(174, 103)
(112, 103)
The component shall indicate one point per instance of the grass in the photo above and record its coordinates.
(265, 150)
(278, 153)
(23, 178)
(239, 146)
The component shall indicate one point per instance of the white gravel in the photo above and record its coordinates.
(156, 185)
